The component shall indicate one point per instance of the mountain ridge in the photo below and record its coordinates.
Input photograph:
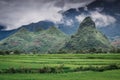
(36, 42)
(87, 38)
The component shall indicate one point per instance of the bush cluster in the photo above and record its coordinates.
(99, 69)
(14, 70)
(8, 52)
(60, 69)
(51, 70)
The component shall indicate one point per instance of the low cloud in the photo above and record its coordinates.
(15, 13)
(69, 22)
(81, 17)
(101, 20)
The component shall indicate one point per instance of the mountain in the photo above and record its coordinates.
(87, 38)
(112, 9)
(39, 26)
(33, 27)
(43, 41)
(101, 6)
(4, 34)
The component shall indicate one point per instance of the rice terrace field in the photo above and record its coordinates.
(60, 67)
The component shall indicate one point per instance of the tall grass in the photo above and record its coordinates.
(60, 69)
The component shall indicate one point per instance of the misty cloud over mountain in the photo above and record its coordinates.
(15, 13)
(101, 20)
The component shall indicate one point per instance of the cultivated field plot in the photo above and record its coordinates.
(68, 61)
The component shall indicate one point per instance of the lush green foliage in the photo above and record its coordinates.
(60, 69)
(87, 39)
(64, 65)
(45, 41)
(52, 60)
(107, 75)
(52, 40)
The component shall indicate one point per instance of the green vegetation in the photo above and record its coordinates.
(44, 41)
(30, 61)
(107, 75)
(68, 60)
(60, 67)
(87, 39)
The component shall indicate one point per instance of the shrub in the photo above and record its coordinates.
(51, 69)
(59, 69)
(19, 70)
(45, 70)
(81, 68)
(1, 71)
(99, 69)
(112, 67)
(11, 70)
(24, 70)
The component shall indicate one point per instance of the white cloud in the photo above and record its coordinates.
(81, 17)
(26, 16)
(101, 20)
(75, 5)
(67, 4)
(99, 9)
(15, 13)
(86, 8)
(69, 22)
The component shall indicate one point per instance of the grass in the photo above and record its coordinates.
(70, 61)
(107, 75)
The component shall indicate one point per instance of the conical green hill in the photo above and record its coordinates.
(87, 38)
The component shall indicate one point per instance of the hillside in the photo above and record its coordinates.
(43, 41)
(52, 40)
(87, 38)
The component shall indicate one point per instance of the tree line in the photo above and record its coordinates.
(93, 50)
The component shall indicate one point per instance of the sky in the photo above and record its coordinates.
(15, 13)
(100, 19)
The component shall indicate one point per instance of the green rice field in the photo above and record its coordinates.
(70, 61)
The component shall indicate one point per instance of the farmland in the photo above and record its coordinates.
(67, 61)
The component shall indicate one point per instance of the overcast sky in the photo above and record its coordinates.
(15, 13)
